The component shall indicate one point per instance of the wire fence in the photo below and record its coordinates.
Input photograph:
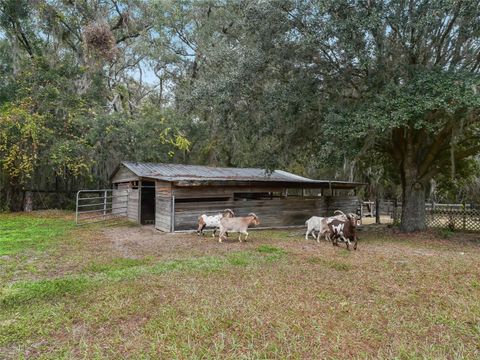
(461, 217)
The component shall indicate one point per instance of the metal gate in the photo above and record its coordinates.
(94, 206)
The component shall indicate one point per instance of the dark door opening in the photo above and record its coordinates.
(147, 215)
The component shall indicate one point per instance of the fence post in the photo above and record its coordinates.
(360, 203)
(432, 212)
(172, 217)
(104, 204)
(377, 211)
(394, 211)
(76, 208)
(464, 216)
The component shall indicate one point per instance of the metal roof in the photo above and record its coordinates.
(198, 173)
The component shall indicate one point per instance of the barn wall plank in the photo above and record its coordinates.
(132, 208)
(163, 205)
(119, 202)
(290, 211)
(219, 191)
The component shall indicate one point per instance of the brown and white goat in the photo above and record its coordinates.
(213, 221)
(238, 224)
(320, 224)
(345, 230)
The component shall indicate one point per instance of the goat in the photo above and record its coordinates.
(345, 230)
(213, 221)
(238, 224)
(316, 223)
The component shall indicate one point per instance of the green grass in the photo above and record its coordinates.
(120, 269)
(20, 233)
(114, 264)
(77, 293)
(46, 289)
(270, 249)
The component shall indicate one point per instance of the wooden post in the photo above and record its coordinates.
(139, 202)
(360, 203)
(104, 204)
(464, 216)
(394, 211)
(172, 215)
(377, 211)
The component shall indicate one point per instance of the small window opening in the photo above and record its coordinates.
(256, 196)
(194, 200)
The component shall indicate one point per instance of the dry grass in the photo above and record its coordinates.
(129, 292)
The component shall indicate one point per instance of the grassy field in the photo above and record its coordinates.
(129, 292)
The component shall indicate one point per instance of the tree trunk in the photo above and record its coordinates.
(28, 202)
(413, 201)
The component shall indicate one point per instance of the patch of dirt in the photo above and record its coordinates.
(138, 242)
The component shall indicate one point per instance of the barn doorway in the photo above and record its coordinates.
(147, 201)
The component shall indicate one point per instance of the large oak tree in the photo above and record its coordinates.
(340, 82)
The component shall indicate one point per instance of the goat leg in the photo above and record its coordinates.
(200, 229)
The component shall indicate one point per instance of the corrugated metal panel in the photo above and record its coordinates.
(178, 172)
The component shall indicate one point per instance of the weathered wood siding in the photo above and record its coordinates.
(123, 186)
(163, 206)
(119, 202)
(228, 191)
(123, 175)
(132, 208)
(277, 212)
(348, 204)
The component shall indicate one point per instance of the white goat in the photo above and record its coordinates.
(238, 224)
(212, 221)
(316, 223)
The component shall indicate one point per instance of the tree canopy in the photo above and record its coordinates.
(380, 91)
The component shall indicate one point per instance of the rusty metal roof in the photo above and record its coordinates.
(198, 173)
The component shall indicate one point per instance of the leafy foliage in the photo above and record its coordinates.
(378, 91)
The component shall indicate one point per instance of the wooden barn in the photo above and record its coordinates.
(173, 196)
